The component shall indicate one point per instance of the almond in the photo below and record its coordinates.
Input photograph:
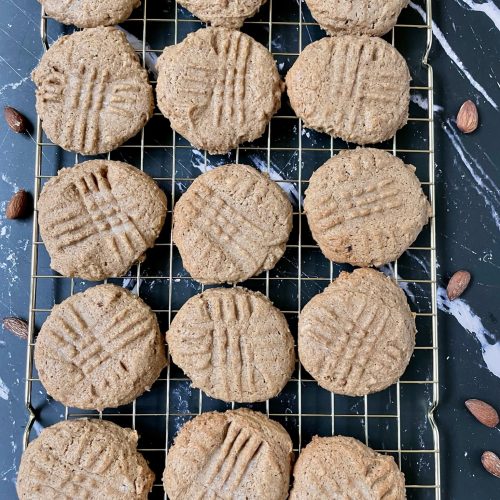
(457, 284)
(484, 412)
(467, 117)
(15, 120)
(17, 326)
(491, 463)
(19, 205)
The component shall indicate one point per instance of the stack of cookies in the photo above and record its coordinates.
(102, 348)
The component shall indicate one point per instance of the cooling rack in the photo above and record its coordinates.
(398, 421)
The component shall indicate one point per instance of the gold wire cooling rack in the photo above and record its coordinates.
(398, 421)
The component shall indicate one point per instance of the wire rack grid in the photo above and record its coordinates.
(398, 421)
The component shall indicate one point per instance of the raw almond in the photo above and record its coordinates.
(19, 205)
(17, 326)
(457, 284)
(484, 412)
(467, 118)
(15, 120)
(491, 463)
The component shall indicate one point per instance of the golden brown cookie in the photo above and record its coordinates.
(357, 337)
(232, 223)
(89, 13)
(227, 13)
(343, 467)
(353, 87)
(373, 17)
(365, 207)
(233, 344)
(219, 88)
(236, 454)
(98, 349)
(92, 93)
(99, 217)
(84, 459)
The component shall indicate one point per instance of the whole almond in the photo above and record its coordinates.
(17, 326)
(19, 205)
(457, 284)
(484, 412)
(15, 120)
(467, 117)
(491, 463)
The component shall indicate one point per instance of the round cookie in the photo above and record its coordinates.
(353, 87)
(92, 93)
(375, 17)
(84, 459)
(219, 88)
(365, 207)
(233, 344)
(357, 337)
(343, 467)
(101, 348)
(236, 454)
(232, 223)
(90, 13)
(229, 13)
(99, 217)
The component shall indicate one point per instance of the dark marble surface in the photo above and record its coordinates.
(465, 58)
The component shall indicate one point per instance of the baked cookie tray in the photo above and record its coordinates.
(399, 420)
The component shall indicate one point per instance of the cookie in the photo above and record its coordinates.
(84, 459)
(365, 207)
(357, 337)
(233, 344)
(90, 13)
(219, 88)
(232, 223)
(236, 454)
(343, 467)
(92, 93)
(353, 87)
(228, 13)
(375, 17)
(99, 217)
(101, 348)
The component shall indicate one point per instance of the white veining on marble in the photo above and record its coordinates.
(388, 270)
(14, 85)
(203, 164)
(463, 313)
(4, 390)
(423, 102)
(454, 57)
(288, 187)
(469, 320)
(484, 185)
(150, 58)
(487, 7)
